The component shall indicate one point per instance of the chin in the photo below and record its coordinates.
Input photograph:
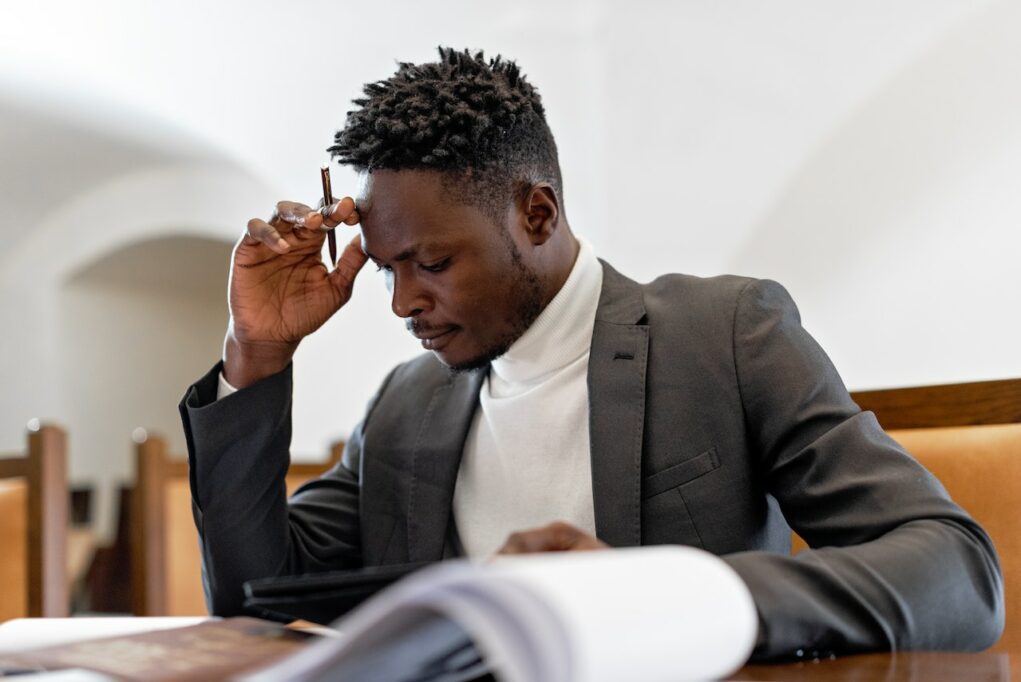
(458, 364)
(470, 361)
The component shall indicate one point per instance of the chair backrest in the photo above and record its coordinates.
(33, 527)
(166, 574)
(969, 436)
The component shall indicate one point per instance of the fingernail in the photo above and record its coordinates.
(282, 243)
(299, 220)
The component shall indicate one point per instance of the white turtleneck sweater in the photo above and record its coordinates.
(526, 460)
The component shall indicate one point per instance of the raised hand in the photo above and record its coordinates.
(280, 289)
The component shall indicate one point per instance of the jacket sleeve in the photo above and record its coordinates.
(894, 564)
(238, 452)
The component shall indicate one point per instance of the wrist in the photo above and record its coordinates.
(245, 363)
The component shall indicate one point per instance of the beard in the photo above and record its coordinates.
(526, 290)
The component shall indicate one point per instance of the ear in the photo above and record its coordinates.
(541, 212)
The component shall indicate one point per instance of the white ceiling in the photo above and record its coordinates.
(694, 109)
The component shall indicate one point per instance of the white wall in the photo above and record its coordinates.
(125, 339)
(865, 154)
(899, 233)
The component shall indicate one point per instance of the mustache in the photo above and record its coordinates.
(417, 327)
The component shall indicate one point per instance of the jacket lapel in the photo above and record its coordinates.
(436, 459)
(616, 384)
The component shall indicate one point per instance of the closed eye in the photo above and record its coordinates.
(439, 266)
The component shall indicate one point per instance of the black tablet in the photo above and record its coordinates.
(320, 597)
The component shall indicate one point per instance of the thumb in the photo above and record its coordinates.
(350, 263)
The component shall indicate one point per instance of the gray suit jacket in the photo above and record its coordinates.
(715, 420)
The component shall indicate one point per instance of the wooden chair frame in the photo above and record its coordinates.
(970, 404)
(44, 468)
(983, 403)
(154, 466)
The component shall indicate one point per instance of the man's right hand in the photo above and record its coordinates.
(280, 289)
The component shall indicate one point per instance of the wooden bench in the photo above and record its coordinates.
(969, 436)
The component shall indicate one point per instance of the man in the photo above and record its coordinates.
(561, 405)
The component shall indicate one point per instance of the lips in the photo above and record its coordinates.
(435, 340)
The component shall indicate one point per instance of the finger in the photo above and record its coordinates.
(293, 212)
(514, 544)
(563, 536)
(586, 542)
(558, 536)
(298, 215)
(350, 263)
(259, 231)
(529, 542)
(342, 211)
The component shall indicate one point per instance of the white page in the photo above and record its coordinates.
(22, 634)
(648, 613)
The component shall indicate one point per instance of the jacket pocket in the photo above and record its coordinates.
(679, 474)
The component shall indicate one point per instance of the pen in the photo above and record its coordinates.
(331, 237)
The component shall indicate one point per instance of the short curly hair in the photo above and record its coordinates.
(477, 121)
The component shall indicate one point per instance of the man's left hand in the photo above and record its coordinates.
(558, 536)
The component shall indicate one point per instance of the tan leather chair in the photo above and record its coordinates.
(33, 527)
(969, 436)
(166, 564)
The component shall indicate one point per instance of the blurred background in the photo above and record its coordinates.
(867, 155)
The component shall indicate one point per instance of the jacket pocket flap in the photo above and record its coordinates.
(679, 474)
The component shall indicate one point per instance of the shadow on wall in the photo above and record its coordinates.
(136, 326)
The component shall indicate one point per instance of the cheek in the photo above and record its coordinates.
(479, 297)
(472, 309)
(466, 297)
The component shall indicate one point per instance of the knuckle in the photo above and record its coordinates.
(516, 538)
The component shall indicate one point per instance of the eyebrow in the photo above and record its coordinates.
(403, 255)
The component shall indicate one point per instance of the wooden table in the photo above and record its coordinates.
(922, 666)
(988, 666)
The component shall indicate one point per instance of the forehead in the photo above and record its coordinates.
(404, 209)
(385, 195)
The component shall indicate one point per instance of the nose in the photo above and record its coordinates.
(408, 299)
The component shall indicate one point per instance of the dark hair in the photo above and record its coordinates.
(478, 122)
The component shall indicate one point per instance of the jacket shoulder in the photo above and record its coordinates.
(698, 300)
(419, 377)
(714, 289)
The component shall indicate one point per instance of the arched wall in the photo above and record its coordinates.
(126, 342)
(182, 200)
(71, 353)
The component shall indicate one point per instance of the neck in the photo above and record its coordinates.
(561, 260)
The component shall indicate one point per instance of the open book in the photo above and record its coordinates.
(209, 650)
(653, 613)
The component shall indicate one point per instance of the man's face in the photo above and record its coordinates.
(458, 279)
